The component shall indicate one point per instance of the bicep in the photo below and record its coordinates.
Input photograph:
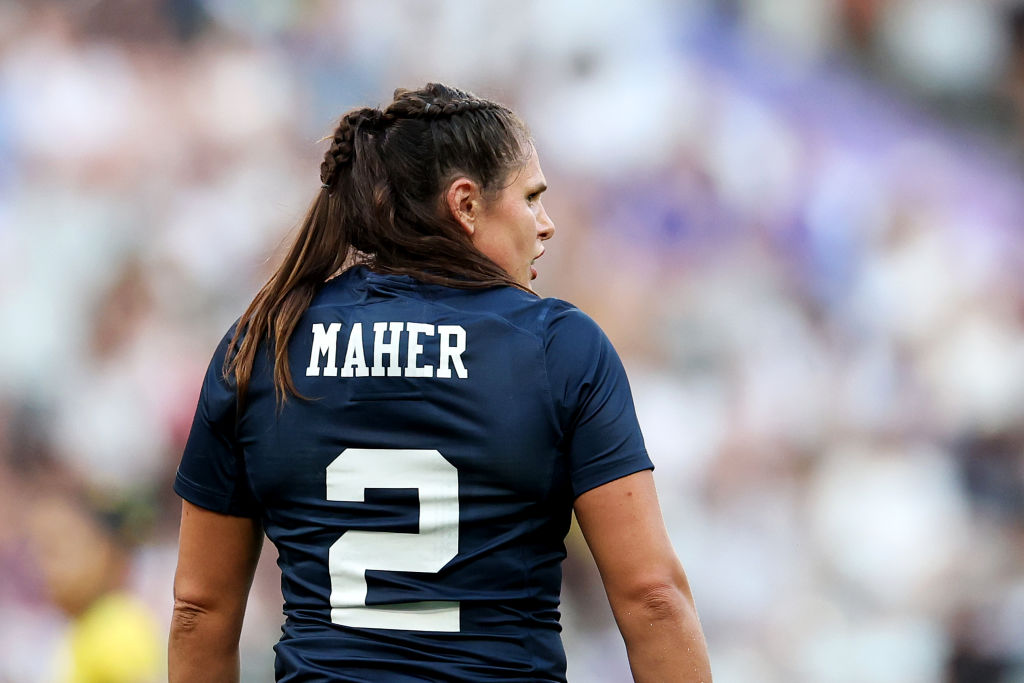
(217, 556)
(623, 527)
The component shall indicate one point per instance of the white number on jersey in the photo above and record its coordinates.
(436, 543)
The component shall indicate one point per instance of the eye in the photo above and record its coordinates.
(532, 197)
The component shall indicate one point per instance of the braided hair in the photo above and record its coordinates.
(380, 205)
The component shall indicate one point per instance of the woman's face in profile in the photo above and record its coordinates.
(512, 226)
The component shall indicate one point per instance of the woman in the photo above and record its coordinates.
(412, 427)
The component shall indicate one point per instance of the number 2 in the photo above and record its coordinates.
(437, 542)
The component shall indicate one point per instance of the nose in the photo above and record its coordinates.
(546, 226)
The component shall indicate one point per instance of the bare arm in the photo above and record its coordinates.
(646, 586)
(217, 557)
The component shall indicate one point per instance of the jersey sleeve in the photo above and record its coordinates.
(212, 470)
(593, 402)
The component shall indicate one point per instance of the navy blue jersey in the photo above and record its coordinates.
(420, 494)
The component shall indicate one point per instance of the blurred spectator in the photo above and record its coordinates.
(112, 636)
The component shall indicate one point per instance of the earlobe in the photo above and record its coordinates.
(462, 200)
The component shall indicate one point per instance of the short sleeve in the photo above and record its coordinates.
(212, 470)
(593, 402)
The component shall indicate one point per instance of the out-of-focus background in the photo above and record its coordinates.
(801, 223)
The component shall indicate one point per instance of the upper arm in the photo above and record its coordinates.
(220, 535)
(217, 556)
(623, 526)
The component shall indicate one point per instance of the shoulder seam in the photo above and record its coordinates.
(549, 305)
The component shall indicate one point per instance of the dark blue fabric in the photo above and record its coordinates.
(544, 414)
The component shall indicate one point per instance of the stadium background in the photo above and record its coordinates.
(801, 223)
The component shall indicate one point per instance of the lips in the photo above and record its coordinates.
(533, 271)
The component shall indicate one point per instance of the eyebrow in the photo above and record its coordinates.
(538, 188)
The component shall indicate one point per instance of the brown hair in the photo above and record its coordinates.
(381, 204)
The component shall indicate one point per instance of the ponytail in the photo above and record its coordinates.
(378, 204)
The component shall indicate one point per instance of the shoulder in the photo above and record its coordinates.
(579, 355)
(217, 396)
(513, 308)
(561, 314)
(226, 348)
(559, 327)
(569, 328)
(537, 314)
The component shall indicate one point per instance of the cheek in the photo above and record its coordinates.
(527, 233)
(499, 246)
(508, 235)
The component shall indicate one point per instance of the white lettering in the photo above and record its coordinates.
(415, 349)
(388, 341)
(390, 348)
(355, 358)
(325, 342)
(451, 352)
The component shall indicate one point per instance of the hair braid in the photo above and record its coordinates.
(413, 105)
(342, 149)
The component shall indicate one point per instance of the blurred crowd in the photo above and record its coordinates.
(800, 223)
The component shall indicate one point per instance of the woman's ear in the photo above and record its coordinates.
(464, 202)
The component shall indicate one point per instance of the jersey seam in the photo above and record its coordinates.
(552, 409)
(641, 453)
(223, 500)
